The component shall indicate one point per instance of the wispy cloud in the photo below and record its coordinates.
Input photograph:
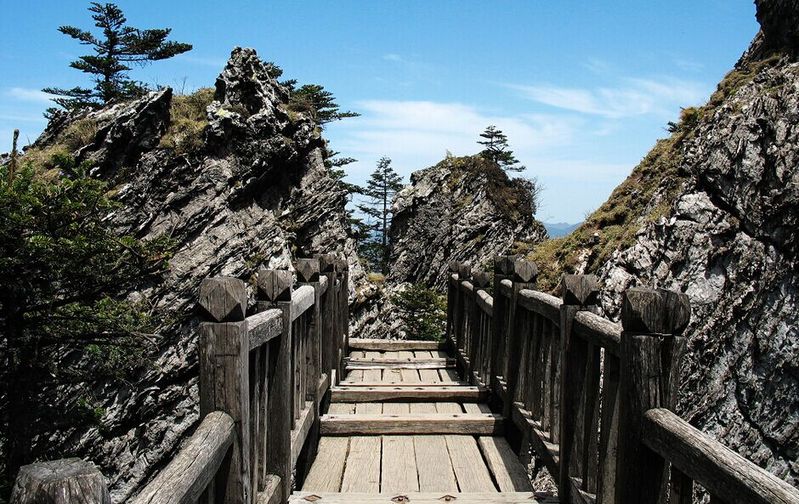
(632, 97)
(28, 94)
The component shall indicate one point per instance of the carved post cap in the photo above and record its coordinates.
(480, 279)
(504, 264)
(658, 311)
(274, 285)
(307, 270)
(454, 266)
(223, 299)
(524, 271)
(327, 263)
(60, 482)
(581, 290)
(464, 271)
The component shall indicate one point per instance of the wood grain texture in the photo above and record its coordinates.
(421, 498)
(504, 465)
(721, 471)
(392, 345)
(433, 464)
(185, 478)
(264, 326)
(398, 465)
(326, 475)
(467, 463)
(362, 471)
(62, 481)
(406, 393)
(358, 424)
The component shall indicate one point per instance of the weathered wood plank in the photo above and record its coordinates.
(327, 473)
(434, 465)
(264, 326)
(300, 433)
(400, 364)
(399, 465)
(720, 470)
(350, 425)
(406, 393)
(396, 408)
(476, 408)
(301, 300)
(470, 470)
(341, 409)
(368, 408)
(423, 407)
(398, 383)
(393, 345)
(272, 492)
(362, 470)
(450, 407)
(421, 498)
(185, 478)
(598, 330)
(62, 482)
(504, 465)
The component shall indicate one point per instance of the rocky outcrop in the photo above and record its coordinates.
(721, 227)
(462, 209)
(255, 192)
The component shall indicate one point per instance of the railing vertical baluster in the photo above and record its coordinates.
(609, 429)
(524, 275)
(651, 349)
(224, 377)
(503, 269)
(579, 291)
(274, 290)
(479, 283)
(452, 293)
(308, 274)
(344, 307)
(464, 274)
(329, 308)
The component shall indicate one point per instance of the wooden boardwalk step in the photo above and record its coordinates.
(430, 423)
(399, 363)
(420, 498)
(388, 384)
(407, 393)
(382, 345)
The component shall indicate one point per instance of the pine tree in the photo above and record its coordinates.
(497, 150)
(380, 189)
(317, 101)
(117, 47)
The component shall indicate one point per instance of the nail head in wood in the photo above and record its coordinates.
(581, 290)
(480, 279)
(60, 482)
(307, 270)
(524, 271)
(223, 299)
(658, 311)
(274, 285)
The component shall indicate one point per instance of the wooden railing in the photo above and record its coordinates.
(594, 398)
(263, 378)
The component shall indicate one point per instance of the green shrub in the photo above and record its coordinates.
(423, 312)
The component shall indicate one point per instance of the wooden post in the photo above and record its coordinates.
(308, 274)
(464, 275)
(651, 349)
(579, 292)
(452, 293)
(524, 275)
(344, 269)
(327, 269)
(224, 377)
(274, 290)
(60, 482)
(503, 269)
(479, 283)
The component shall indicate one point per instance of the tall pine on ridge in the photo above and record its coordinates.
(497, 150)
(380, 189)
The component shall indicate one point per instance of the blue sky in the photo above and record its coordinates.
(582, 88)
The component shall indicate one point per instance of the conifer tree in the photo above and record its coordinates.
(114, 50)
(497, 150)
(319, 102)
(380, 189)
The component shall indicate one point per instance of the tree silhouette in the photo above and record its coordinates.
(497, 150)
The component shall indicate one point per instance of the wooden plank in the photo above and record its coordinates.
(723, 472)
(391, 377)
(398, 382)
(476, 408)
(300, 433)
(362, 470)
(341, 409)
(508, 472)
(264, 326)
(423, 407)
(395, 408)
(272, 492)
(399, 465)
(405, 393)
(354, 376)
(368, 408)
(433, 464)
(429, 375)
(420, 498)
(399, 364)
(301, 300)
(372, 375)
(449, 375)
(326, 473)
(372, 424)
(449, 407)
(409, 375)
(467, 463)
(393, 345)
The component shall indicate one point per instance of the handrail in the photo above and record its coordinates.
(185, 478)
(301, 300)
(703, 459)
(264, 326)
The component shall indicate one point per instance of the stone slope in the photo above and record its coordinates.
(715, 210)
(254, 191)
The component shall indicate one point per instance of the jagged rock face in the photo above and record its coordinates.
(461, 209)
(257, 192)
(779, 23)
(729, 242)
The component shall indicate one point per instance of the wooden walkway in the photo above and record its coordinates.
(403, 427)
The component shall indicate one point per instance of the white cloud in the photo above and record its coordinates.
(632, 97)
(393, 57)
(27, 94)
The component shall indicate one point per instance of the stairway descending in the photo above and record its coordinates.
(402, 426)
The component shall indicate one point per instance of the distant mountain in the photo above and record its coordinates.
(558, 229)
